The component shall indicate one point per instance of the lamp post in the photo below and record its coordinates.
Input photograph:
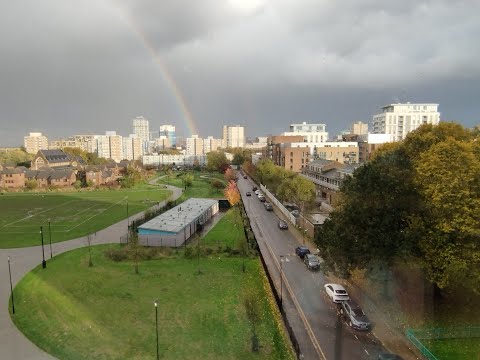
(156, 324)
(50, 237)
(11, 287)
(281, 281)
(44, 263)
(128, 221)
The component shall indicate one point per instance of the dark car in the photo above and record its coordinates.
(248, 193)
(244, 176)
(388, 356)
(312, 262)
(254, 188)
(268, 206)
(282, 224)
(355, 316)
(302, 251)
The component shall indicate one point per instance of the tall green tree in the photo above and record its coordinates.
(217, 161)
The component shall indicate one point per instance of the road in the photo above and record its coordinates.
(321, 332)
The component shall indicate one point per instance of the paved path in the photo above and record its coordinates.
(13, 344)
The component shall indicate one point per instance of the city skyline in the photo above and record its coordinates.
(260, 64)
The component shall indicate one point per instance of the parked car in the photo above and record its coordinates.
(282, 224)
(268, 206)
(254, 188)
(257, 192)
(302, 251)
(355, 316)
(244, 176)
(248, 193)
(261, 198)
(295, 213)
(389, 356)
(312, 262)
(336, 292)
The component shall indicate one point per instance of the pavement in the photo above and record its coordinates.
(13, 344)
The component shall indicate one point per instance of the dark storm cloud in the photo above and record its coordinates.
(69, 68)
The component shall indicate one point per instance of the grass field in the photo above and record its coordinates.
(225, 233)
(454, 349)
(71, 214)
(200, 188)
(106, 311)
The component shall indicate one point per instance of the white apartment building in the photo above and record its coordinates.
(312, 133)
(110, 146)
(194, 146)
(169, 132)
(177, 160)
(34, 142)
(86, 142)
(132, 147)
(141, 128)
(211, 144)
(400, 119)
(162, 143)
(233, 136)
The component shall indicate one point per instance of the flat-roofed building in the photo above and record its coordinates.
(310, 132)
(400, 119)
(35, 141)
(175, 226)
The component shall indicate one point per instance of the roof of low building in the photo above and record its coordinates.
(55, 156)
(175, 219)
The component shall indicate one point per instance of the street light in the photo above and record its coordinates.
(156, 324)
(11, 287)
(128, 221)
(281, 281)
(50, 236)
(44, 263)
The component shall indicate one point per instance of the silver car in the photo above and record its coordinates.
(312, 262)
(355, 316)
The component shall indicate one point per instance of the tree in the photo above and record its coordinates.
(448, 174)
(229, 175)
(188, 179)
(217, 183)
(31, 184)
(217, 161)
(231, 193)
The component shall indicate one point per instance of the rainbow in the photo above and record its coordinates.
(167, 77)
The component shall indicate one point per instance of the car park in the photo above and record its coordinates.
(268, 206)
(248, 193)
(302, 251)
(355, 316)
(282, 224)
(312, 262)
(336, 292)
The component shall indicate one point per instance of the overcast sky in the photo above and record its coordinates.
(84, 67)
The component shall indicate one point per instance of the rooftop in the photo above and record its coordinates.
(175, 219)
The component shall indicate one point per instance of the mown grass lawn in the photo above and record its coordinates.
(201, 187)
(106, 311)
(225, 233)
(454, 349)
(71, 214)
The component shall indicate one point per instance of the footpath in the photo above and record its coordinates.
(13, 344)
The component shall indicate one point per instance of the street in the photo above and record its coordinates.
(327, 336)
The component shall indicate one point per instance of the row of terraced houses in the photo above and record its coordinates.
(55, 168)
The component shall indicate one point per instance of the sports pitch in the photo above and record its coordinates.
(71, 215)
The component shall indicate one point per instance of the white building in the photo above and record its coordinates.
(110, 146)
(400, 119)
(34, 142)
(177, 160)
(141, 128)
(169, 132)
(132, 147)
(211, 144)
(313, 133)
(194, 146)
(233, 136)
(162, 143)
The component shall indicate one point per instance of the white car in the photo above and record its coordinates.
(257, 192)
(336, 292)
